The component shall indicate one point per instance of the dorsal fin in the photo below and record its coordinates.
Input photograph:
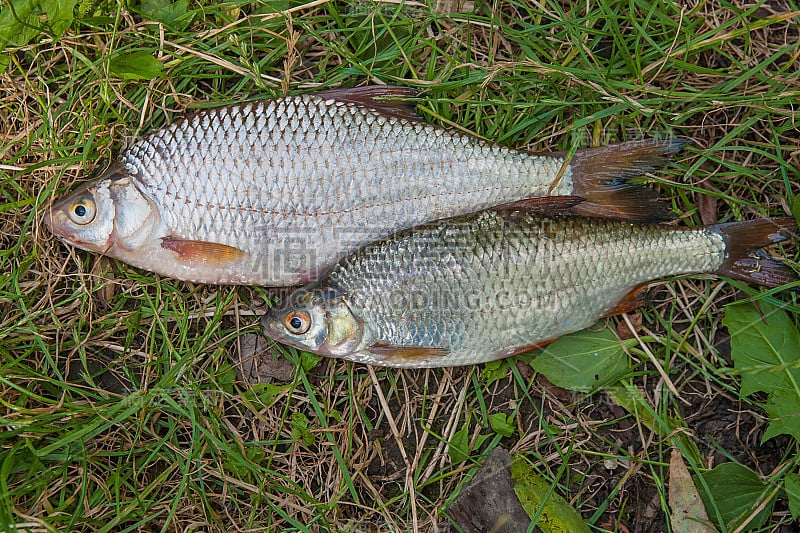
(374, 97)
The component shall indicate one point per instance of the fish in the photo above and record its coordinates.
(276, 192)
(489, 285)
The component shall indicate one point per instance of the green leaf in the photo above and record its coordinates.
(309, 360)
(458, 448)
(495, 371)
(164, 11)
(583, 361)
(263, 395)
(796, 208)
(300, 430)
(736, 492)
(533, 492)
(59, 14)
(135, 66)
(17, 27)
(791, 484)
(765, 347)
(502, 424)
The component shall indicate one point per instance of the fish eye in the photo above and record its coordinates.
(82, 210)
(297, 322)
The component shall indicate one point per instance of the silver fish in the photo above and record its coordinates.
(489, 285)
(276, 192)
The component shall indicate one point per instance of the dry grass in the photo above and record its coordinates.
(120, 404)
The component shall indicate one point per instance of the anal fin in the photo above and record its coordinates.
(202, 252)
(528, 348)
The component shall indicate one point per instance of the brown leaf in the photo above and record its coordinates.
(256, 363)
(688, 512)
(488, 502)
(624, 332)
(707, 206)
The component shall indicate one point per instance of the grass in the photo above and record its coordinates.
(121, 407)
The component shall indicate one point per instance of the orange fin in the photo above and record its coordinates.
(543, 205)
(528, 348)
(407, 353)
(745, 264)
(635, 299)
(374, 97)
(599, 176)
(202, 252)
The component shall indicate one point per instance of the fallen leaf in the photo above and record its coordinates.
(555, 514)
(488, 502)
(624, 332)
(707, 206)
(256, 363)
(688, 512)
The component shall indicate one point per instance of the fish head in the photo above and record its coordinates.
(106, 216)
(316, 320)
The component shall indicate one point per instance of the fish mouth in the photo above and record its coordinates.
(271, 330)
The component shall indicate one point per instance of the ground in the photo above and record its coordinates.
(124, 407)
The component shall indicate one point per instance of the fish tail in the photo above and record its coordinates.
(745, 262)
(600, 177)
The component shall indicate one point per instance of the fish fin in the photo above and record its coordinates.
(744, 262)
(599, 175)
(202, 252)
(373, 97)
(543, 205)
(528, 348)
(406, 353)
(635, 299)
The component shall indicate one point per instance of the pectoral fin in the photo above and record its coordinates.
(407, 353)
(201, 252)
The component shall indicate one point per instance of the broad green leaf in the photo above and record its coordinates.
(309, 360)
(135, 66)
(791, 484)
(533, 492)
(17, 26)
(495, 371)
(164, 11)
(502, 424)
(631, 399)
(765, 347)
(263, 395)
(300, 430)
(458, 448)
(583, 361)
(59, 14)
(688, 513)
(736, 492)
(783, 408)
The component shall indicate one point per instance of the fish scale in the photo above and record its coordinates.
(487, 285)
(276, 192)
